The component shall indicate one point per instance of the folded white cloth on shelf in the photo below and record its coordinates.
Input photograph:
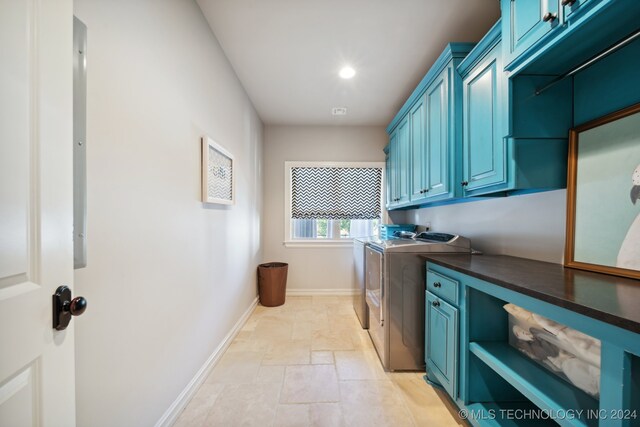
(518, 312)
(551, 366)
(575, 342)
(558, 360)
(584, 346)
(578, 339)
(522, 334)
(591, 355)
(548, 324)
(583, 375)
(525, 347)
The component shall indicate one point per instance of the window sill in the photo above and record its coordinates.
(344, 243)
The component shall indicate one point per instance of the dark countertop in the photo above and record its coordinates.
(611, 299)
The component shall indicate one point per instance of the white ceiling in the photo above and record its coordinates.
(287, 53)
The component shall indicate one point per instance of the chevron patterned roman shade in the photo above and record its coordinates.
(335, 192)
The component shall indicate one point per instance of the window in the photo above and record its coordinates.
(332, 202)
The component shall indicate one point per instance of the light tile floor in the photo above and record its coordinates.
(309, 363)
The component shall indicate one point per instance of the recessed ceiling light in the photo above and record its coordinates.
(347, 72)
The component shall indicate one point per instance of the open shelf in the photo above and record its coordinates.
(540, 386)
(494, 415)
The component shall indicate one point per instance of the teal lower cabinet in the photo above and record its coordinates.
(495, 384)
(441, 352)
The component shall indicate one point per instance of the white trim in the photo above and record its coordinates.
(296, 164)
(319, 243)
(321, 292)
(287, 192)
(171, 415)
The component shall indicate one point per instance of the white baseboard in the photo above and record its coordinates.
(321, 292)
(171, 415)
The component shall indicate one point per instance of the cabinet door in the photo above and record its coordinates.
(529, 21)
(484, 153)
(419, 154)
(392, 170)
(573, 8)
(402, 162)
(437, 100)
(390, 174)
(442, 342)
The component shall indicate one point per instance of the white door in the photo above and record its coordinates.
(37, 384)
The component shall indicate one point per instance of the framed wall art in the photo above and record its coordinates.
(217, 173)
(603, 195)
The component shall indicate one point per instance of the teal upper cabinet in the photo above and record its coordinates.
(430, 141)
(512, 138)
(402, 158)
(573, 8)
(397, 158)
(551, 37)
(439, 135)
(427, 167)
(419, 154)
(529, 21)
(484, 153)
(390, 189)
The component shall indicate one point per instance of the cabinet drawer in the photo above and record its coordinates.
(443, 286)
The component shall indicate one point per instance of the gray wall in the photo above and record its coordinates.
(316, 268)
(167, 278)
(529, 226)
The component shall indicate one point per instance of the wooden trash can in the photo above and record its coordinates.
(272, 283)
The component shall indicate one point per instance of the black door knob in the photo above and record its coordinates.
(568, 2)
(465, 183)
(549, 17)
(437, 284)
(436, 303)
(64, 307)
(77, 306)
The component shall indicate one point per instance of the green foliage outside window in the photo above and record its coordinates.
(321, 227)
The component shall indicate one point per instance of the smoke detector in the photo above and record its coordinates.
(339, 111)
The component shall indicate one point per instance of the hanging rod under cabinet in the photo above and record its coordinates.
(608, 51)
